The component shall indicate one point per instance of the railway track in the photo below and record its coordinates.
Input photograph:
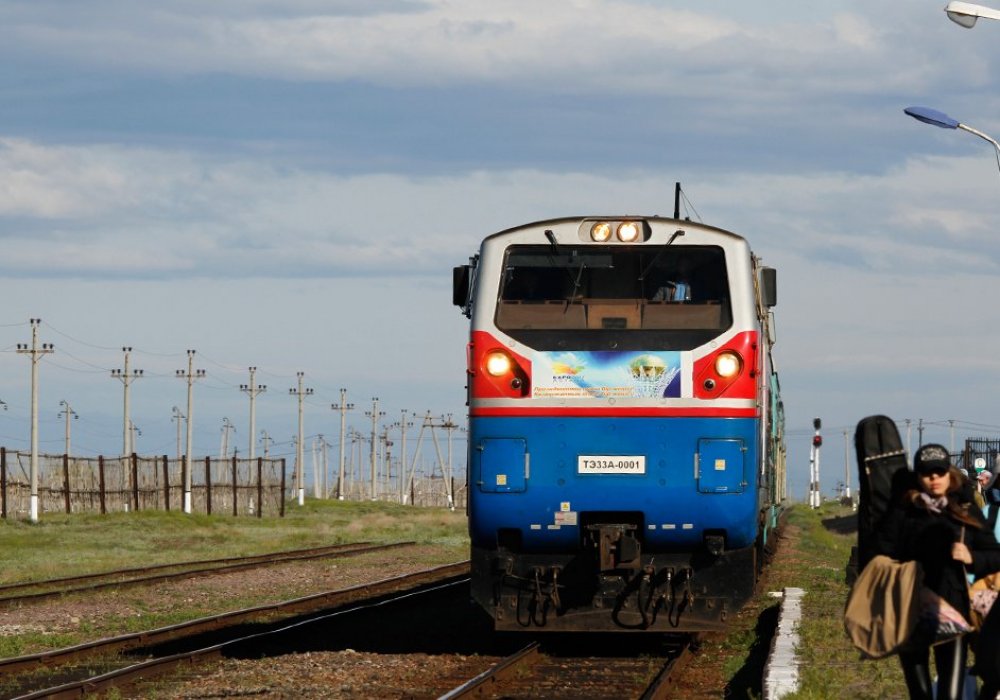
(101, 665)
(34, 591)
(538, 672)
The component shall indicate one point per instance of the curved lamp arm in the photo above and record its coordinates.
(965, 14)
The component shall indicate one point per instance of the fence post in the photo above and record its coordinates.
(282, 487)
(100, 471)
(66, 480)
(3, 482)
(260, 487)
(166, 483)
(208, 485)
(135, 481)
(235, 492)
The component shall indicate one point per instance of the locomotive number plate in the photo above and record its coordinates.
(611, 464)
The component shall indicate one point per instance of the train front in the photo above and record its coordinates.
(617, 479)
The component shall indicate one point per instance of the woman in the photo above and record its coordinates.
(937, 526)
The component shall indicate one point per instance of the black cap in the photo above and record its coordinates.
(931, 457)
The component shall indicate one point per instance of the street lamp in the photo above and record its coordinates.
(936, 118)
(966, 13)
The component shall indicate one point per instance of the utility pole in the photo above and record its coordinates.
(177, 417)
(133, 433)
(126, 376)
(69, 413)
(36, 353)
(343, 407)
(847, 468)
(374, 414)
(299, 453)
(253, 390)
(191, 375)
(951, 425)
(908, 421)
(403, 425)
(266, 441)
(384, 446)
(920, 431)
(224, 446)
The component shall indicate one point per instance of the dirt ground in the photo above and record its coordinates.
(343, 673)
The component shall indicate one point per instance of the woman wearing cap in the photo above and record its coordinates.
(937, 526)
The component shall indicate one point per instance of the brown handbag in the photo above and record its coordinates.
(883, 606)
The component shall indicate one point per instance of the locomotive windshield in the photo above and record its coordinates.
(614, 297)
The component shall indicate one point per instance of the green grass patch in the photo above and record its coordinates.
(66, 545)
(829, 666)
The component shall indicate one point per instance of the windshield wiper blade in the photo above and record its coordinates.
(677, 234)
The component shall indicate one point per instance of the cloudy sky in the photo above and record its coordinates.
(286, 184)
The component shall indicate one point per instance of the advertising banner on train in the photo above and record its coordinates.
(605, 374)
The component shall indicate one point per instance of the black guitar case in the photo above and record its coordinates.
(883, 478)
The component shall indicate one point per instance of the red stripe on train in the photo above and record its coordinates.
(633, 412)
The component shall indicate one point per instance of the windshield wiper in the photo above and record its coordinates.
(677, 234)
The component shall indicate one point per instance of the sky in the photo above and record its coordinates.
(286, 184)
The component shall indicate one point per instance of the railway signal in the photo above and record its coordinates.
(817, 442)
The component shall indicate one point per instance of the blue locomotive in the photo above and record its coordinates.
(626, 454)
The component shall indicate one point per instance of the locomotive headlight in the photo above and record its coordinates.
(728, 364)
(497, 363)
(600, 231)
(628, 231)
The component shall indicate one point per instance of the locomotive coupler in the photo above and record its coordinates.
(617, 546)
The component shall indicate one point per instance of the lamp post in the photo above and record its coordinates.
(965, 14)
(942, 120)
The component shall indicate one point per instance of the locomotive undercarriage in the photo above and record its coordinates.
(612, 585)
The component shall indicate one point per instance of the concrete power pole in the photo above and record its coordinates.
(126, 376)
(134, 432)
(190, 375)
(177, 417)
(403, 425)
(847, 468)
(299, 451)
(374, 414)
(253, 390)
(36, 353)
(343, 407)
(266, 441)
(227, 425)
(69, 413)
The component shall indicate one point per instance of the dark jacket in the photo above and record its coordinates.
(910, 532)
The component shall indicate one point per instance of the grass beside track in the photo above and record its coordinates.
(68, 545)
(815, 560)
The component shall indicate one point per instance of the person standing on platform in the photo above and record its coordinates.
(937, 525)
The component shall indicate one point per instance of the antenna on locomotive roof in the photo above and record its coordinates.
(677, 200)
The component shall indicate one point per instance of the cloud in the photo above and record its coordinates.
(93, 210)
(614, 46)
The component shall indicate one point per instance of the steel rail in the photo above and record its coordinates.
(249, 563)
(41, 583)
(662, 685)
(261, 613)
(485, 683)
(414, 584)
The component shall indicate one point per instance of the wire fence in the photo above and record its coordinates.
(220, 486)
(121, 484)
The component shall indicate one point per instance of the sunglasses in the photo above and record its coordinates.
(936, 471)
